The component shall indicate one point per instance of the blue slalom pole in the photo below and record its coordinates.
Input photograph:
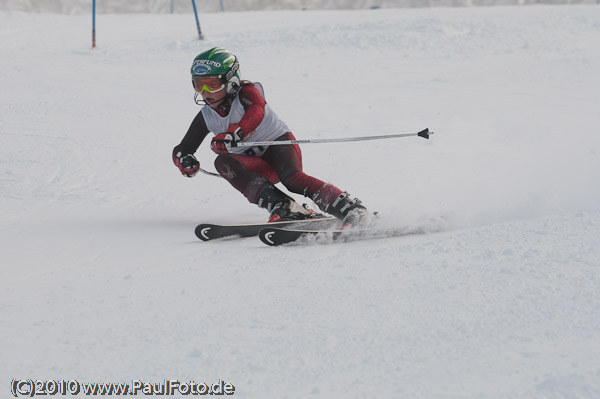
(93, 24)
(197, 20)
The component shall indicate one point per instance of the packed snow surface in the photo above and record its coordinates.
(103, 279)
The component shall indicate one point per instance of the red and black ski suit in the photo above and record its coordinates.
(255, 176)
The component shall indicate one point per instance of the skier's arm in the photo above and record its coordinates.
(183, 154)
(254, 109)
(194, 136)
(254, 112)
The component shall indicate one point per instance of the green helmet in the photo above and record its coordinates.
(221, 63)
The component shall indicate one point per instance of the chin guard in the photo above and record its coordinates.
(227, 100)
(198, 99)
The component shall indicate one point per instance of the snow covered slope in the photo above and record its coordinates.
(103, 279)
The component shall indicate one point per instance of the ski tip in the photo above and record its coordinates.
(424, 133)
(266, 236)
(202, 232)
(275, 236)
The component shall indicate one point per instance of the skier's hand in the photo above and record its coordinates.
(187, 163)
(221, 143)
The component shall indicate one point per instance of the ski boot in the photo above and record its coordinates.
(282, 207)
(288, 209)
(350, 211)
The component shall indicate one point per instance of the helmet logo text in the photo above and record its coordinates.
(207, 62)
(232, 71)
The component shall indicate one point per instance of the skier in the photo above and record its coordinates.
(237, 110)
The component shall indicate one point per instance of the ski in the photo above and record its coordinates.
(303, 235)
(275, 236)
(208, 231)
(278, 235)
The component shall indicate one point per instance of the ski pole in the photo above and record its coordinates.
(206, 172)
(423, 133)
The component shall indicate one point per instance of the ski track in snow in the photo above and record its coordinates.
(104, 280)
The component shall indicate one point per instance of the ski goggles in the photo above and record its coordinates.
(211, 85)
